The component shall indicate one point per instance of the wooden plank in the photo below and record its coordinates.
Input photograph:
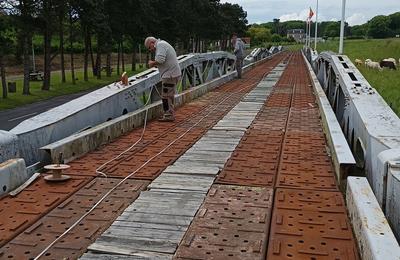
(160, 189)
(181, 185)
(219, 147)
(172, 236)
(162, 196)
(224, 133)
(183, 180)
(142, 217)
(161, 211)
(187, 205)
(243, 129)
(213, 154)
(131, 246)
(138, 256)
(211, 140)
(137, 225)
(184, 161)
(190, 169)
(23, 186)
(165, 204)
(204, 158)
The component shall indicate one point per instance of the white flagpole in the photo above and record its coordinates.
(309, 34)
(306, 43)
(342, 27)
(316, 28)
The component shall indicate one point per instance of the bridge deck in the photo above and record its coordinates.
(243, 173)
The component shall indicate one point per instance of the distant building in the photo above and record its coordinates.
(298, 34)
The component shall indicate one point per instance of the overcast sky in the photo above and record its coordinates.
(357, 11)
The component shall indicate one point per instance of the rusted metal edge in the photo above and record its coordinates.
(342, 157)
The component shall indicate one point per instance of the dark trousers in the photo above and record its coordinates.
(168, 100)
(239, 66)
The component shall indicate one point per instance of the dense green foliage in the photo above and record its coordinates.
(380, 26)
(177, 21)
(98, 28)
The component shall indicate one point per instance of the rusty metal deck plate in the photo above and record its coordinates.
(255, 160)
(18, 213)
(232, 223)
(39, 235)
(271, 118)
(305, 162)
(305, 119)
(310, 225)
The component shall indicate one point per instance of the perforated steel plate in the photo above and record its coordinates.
(310, 225)
(231, 224)
(39, 235)
(18, 213)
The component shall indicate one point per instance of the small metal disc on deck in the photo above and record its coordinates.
(56, 172)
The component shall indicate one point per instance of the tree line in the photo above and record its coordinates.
(380, 26)
(105, 26)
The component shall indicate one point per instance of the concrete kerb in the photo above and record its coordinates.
(78, 144)
(342, 156)
(13, 173)
(376, 240)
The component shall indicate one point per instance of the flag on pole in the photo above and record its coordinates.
(310, 14)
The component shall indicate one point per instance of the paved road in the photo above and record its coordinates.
(12, 117)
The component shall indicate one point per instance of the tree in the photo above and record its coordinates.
(72, 14)
(103, 31)
(232, 19)
(6, 44)
(395, 22)
(333, 29)
(277, 26)
(259, 34)
(61, 13)
(378, 27)
(86, 12)
(359, 30)
(26, 11)
(47, 17)
(276, 38)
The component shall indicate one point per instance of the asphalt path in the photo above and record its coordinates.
(12, 117)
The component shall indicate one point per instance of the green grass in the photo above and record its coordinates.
(57, 88)
(386, 82)
(294, 47)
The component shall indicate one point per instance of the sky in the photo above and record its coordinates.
(357, 11)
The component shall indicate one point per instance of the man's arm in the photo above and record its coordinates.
(160, 58)
(237, 47)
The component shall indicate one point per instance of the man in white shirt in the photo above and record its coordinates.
(170, 72)
(239, 53)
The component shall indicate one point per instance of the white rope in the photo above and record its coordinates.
(98, 170)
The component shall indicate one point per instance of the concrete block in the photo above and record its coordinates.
(393, 197)
(8, 146)
(379, 181)
(12, 174)
(375, 238)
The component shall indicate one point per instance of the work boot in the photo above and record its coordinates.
(166, 118)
